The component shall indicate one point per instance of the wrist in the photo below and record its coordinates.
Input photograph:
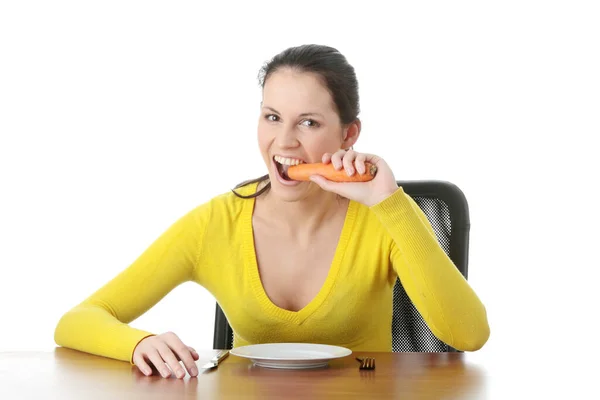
(382, 196)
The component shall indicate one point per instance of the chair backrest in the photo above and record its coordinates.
(447, 209)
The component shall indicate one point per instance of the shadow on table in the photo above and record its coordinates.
(95, 375)
(441, 375)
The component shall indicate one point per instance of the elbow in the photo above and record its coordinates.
(59, 329)
(475, 339)
(68, 328)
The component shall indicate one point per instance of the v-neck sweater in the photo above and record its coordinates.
(213, 245)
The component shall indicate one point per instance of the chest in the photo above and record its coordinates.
(293, 270)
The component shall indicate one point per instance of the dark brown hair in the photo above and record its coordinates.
(335, 71)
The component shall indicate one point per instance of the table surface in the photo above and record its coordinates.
(69, 374)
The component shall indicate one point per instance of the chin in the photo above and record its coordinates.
(290, 193)
(286, 190)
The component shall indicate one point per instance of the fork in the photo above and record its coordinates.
(366, 363)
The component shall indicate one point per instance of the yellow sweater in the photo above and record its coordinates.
(213, 246)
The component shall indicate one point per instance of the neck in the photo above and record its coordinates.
(304, 216)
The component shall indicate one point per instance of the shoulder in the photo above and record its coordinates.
(233, 200)
(226, 205)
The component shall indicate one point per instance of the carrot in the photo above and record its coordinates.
(302, 172)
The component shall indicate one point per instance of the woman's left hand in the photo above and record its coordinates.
(368, 193)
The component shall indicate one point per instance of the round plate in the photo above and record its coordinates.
(291, 355)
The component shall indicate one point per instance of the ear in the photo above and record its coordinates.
(351, 134)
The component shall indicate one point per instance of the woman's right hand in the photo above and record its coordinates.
(164, 352)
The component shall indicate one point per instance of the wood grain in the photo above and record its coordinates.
(69, 374)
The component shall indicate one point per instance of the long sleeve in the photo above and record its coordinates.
(441, 294)
(98, 325)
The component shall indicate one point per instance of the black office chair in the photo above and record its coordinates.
(447, 210)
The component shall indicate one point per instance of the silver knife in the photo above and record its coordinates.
(220, 356)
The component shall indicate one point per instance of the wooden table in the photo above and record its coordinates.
(69, 374)
(487, 374)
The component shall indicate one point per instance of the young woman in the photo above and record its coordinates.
(291, 261)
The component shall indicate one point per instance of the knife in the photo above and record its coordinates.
(220, 356)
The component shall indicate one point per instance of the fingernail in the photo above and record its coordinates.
(165, 373)
(180, 374)
(350, 171)
(194, 371)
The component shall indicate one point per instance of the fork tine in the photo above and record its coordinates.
(366, 362)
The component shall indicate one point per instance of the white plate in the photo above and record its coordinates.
(291, 355)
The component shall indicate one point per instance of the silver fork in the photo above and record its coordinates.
(366, 363)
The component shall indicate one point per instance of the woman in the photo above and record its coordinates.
(291, 261)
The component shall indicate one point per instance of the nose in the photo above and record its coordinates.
(287, 137)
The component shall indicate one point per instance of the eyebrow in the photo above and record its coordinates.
(301, 115)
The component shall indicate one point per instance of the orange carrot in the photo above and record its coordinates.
(302, 172)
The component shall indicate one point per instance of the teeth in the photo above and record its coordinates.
(288, 161)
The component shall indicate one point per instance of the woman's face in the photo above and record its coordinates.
(298, 123)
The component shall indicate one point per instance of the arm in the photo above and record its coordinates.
(438, 290)
(98, 325)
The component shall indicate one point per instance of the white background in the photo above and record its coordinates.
(117, 117)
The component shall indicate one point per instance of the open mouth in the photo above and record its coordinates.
(283, 164)
(282, 169)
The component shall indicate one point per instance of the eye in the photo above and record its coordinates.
(311, 123)
(272, 117)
